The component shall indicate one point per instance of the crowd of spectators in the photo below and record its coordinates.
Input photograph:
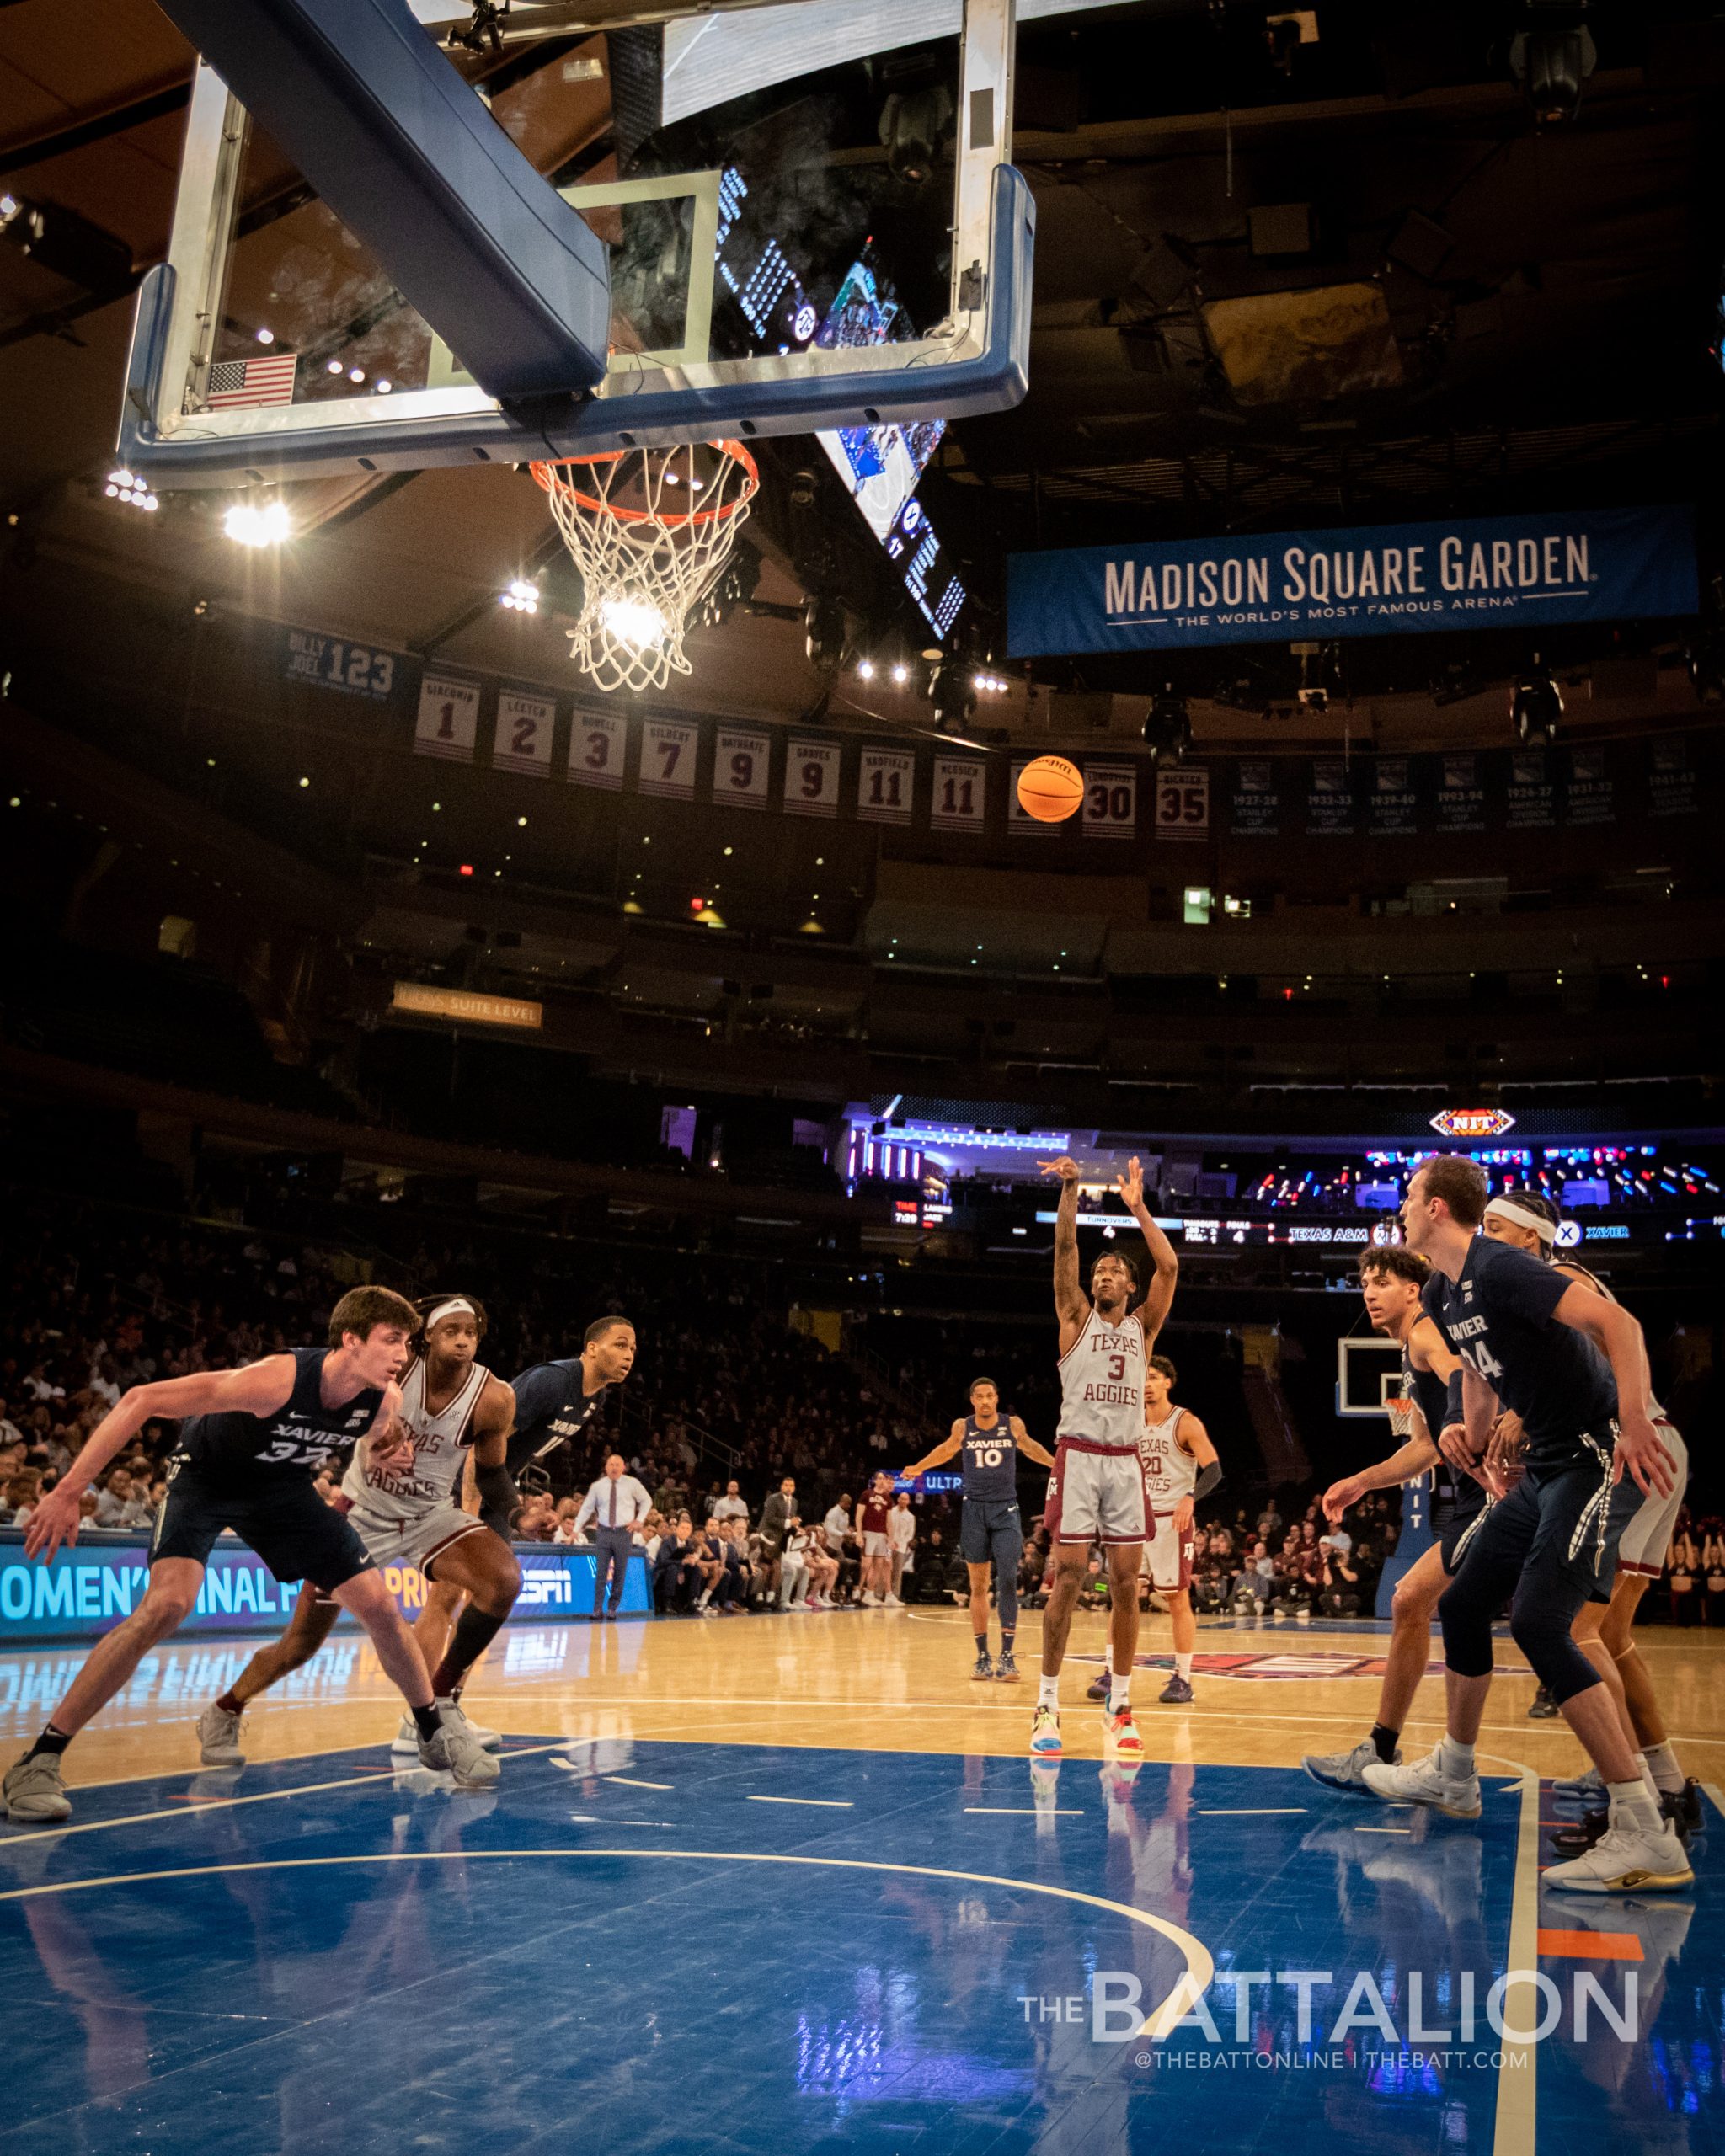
(760, 1448)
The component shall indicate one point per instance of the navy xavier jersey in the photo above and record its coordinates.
(551, 1409)
(990, 1458)
(1497, 1318)
(1427, 1392)
(301, 1435)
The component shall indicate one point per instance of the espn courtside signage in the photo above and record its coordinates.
(1500, 572)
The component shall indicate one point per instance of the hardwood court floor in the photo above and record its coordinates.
(872, 1680)
(789, 1884)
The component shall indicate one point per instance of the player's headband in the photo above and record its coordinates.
(1524, 1216)
(456, 1306)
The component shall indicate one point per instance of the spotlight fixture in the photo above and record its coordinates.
(824, 632)
(1536, 703)
(912, 124)
(1552, 55)
(127, 487)
(952, 689)
(522, 596)
(252, 524)
(865, 669)
(1168, 727)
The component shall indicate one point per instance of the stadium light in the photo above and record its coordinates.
(251, 524)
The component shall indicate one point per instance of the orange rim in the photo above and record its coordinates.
(549, 471)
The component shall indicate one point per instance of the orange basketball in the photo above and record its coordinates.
(1051, 789)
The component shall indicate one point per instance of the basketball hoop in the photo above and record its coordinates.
(1399, 1407)
(645, 558)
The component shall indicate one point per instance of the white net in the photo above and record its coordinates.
(649, 531)
(1400, 1411)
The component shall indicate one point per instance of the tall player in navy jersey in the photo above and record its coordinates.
(990, 1533)
(249, 1441)
(1550, 1543)
(555, 1402)
(1393, 1280)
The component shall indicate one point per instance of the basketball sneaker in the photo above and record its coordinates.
(1345, 1770)
(1044, 1734)
(1175, 1692)
(456, 1750)
(1679, 1808)
(218, 1737)
(1006, 1670)
(1423, 1781)
(892, 1602)
(983, 1671)
(33, 1788)
(1121, 1731)
(1099, 1689)
(407, 1739)
(1588, 1788)
(1626, 1859)
(1544, 1707)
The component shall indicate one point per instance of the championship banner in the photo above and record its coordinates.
(1257, 802)
(598, 743)
(1020, 822)
(960, 794)
(1500, 572)
(812, 778)
(525, 726)
(668, 751)
(1461, 799)
(1182, 802)
(1110, 801)
(448, 724)
(886, 784)
(1671, 778)
(1588, 798)
(1329, 806)
(1532, 796)
(742, 764)
(1392, 802)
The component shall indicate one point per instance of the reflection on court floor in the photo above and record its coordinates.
(663, 1945)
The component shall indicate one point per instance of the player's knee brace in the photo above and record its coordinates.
(1466, 1622)
(1006, 1599)
(1540, 1627)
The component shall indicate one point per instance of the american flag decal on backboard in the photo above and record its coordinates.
(268, 380)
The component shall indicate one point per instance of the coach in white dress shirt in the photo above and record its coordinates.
(616, 1504)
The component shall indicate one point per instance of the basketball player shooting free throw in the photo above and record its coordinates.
(1096, 1491)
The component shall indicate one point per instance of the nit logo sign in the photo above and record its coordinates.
(1472, 1123)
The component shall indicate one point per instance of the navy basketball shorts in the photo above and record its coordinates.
(282, 1518)
(990, 1531)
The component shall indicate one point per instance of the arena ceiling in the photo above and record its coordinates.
(1550, 296)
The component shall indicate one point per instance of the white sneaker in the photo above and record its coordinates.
(1344, 1769)
(218, 1737)
(407, 1739)
(456, 1750)
(1423, 1781)
(1626, 1859)
(490, 1740)
(892, 1603)
(871, 1600)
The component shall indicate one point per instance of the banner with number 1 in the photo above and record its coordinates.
(449, 718)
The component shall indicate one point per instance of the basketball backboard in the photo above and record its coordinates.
(844, 247)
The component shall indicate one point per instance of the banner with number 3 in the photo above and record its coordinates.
(597, 745)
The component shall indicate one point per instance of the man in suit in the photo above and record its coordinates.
(617, 1505)
(778, 1516)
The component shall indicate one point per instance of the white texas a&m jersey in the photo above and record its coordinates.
(1169, 1473)
(1102, 1385)
(440, 1440)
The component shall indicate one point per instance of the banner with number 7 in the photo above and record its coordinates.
(668, 758)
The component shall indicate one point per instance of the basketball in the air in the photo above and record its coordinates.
(1051, 789)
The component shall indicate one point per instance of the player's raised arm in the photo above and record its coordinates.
(1071, 1304)
(943, 1450)
(258, 1389)
(1029, 1446)
(1159, 1295)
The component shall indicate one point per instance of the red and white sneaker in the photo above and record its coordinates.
(1120, 1732)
